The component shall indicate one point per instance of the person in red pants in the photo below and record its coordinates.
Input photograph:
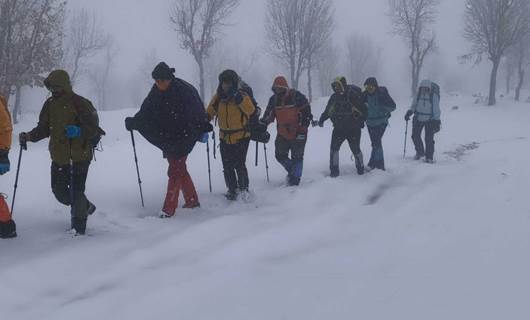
(173, 119)
(8, 227)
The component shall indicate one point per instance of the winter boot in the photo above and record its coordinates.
(231, 195)
(79, 225)
(8, 230)
(334, 172)
(242, 178)
(419, 156)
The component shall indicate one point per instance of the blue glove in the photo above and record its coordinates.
(4, 168)
(73, 132)
(204, 138)
(4, 162)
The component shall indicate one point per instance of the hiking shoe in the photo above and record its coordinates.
(418, 156)
(79, 225)
(430, 161)
(231, 195)
(164, 215)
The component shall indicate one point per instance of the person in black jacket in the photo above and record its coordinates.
(172, 118)
(348, 114)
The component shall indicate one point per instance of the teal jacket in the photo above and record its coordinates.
(380, 106)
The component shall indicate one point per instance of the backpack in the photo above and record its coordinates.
(78, 105)
(435, 90)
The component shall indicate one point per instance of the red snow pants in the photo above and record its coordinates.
(179, 179)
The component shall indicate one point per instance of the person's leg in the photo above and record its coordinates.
(372, 131)
(60, 181)
(241, 165)
(429, 141)
(377, 160)
(297, 154)
(81, 206)
(417, 128)
(188, 187)
(337, 139)
(227, 155)
(282, 147)
(354, 140)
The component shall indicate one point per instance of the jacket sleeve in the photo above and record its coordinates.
(195, 110)
(42, 130)
(414, 104)
(88, 118)
(210, 111)
(6, 128)
(436, 115)
(306, 115)
(325, 115)
(269, 116)
(389, 103)
(361, 106)
(247, 107)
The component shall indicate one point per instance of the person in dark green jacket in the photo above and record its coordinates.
(72, 124)
(380, 106)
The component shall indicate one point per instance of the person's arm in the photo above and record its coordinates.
(88, 118)
(42, 130)
(269, 116)
(436, 108)
(389, 103)
(247, 107)
(195, 112)
(305, 109)
(325, 115)
(6, 128)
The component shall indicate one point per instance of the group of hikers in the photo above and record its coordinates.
(173, 118)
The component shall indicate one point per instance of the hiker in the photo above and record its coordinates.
(348, 114)
(8, 228)
(172, 118)
(380, 106)
(232, 109)
(292, 112)
(72, 124)
(426, 111)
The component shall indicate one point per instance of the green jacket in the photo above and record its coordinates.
(57, 113)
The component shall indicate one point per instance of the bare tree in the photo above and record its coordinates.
(492, 27)
(84, 38)
(362, 58)
(519, 56)
(412, 20)
(327, 66)
(510, 65)
(198, 24)
(297, 30)
(100, 74)
(30, 44)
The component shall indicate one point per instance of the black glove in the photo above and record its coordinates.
(238, 98)
(436, 125)
(321, 124)
(130, 124)
(363, 125)
(408, 115)
(206, 127)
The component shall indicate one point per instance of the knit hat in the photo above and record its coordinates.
(229, 76)
(280, 82)
(163, 72)
(371, 82)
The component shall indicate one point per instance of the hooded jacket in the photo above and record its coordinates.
(426, 107)
(59, 112)
(346, 110)
(6, 128)
(380, 104)
(292, 112)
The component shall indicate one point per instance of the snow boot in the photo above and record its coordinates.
(293, 181)
(419, 156)
(359, 163)
(231, 195)
(79, 225)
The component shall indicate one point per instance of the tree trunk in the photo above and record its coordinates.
(519, 84)
(508, 82)
(16, 109)
(415, 76)
(492, 100)
(309, 82)
(200, 62)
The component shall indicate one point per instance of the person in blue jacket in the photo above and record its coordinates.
(380, 106)
(426, 111)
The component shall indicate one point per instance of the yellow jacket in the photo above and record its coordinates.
(232, 118)
(6, 128)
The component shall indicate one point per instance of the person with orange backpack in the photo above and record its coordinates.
(292, 112)
(233, 108)
(8, 228)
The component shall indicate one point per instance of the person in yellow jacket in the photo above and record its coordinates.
(8, 228)
(232, 108)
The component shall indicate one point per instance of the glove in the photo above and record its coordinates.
(238, 98)
(5, 165)
(321, 124)
(206, 127)
(73, 131)
(436, 125)
(408, 115)
(130, 124)
(23, 138)
(204, 137)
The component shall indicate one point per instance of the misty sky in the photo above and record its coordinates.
(141, 26)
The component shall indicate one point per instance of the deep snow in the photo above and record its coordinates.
(443, 241)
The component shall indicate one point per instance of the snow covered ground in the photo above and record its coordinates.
(444, 241)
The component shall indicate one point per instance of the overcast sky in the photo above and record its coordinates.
(141, 26)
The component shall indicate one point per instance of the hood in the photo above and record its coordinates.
(426, 84)
(338, 82)
(280, 82)
(371, 81)
(229, 76)
(59, 79)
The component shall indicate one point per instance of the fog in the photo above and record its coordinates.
(142, 28)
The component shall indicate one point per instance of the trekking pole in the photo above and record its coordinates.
(266, 161)
(406, 134)
(257, 152)
(209, 165)
(214, 145)
(137, 169)
(23, 146)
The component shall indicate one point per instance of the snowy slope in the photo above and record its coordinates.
(448, 241)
